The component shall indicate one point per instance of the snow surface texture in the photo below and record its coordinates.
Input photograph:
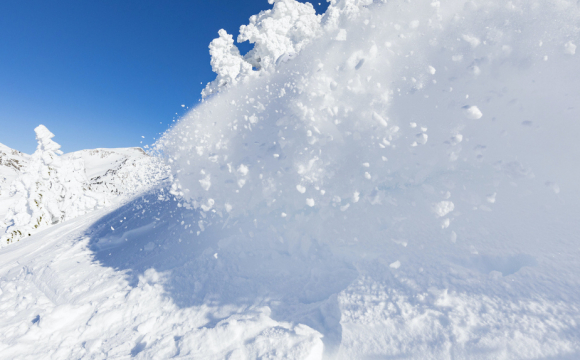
(403, 185)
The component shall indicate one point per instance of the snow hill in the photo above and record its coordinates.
(389, 180)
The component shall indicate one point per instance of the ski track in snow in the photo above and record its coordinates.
(397, 181)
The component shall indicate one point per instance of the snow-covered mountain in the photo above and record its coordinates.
(390, 180)
(120, 171)
(11, 163)
(102, 174)
(114, 171)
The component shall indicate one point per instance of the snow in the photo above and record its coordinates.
(283, 232)
(46, 188)
(11, 163)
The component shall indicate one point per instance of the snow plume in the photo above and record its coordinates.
(421, 123)
(277, 34)
(384, 107)
(49, 191)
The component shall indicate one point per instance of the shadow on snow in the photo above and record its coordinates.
(229, 263)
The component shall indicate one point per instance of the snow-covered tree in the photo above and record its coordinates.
(49, 191)
(279, 33)
(285, 29)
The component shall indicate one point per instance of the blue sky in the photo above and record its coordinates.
(105, 73)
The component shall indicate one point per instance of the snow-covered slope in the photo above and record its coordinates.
(44, 189)
(120, 171)
(11, 161)
(396, 179)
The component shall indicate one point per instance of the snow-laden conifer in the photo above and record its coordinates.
(49, 191)
(277, 34)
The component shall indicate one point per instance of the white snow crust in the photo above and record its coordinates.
(402, 184)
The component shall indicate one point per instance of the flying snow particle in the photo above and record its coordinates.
(395, 265)
(473, 112)
(569, 48)
(310, 202)
(205, 183)
(443, 208)
(208, 206)
(243, 169)
(453, 237)
(380, 119)
(301, 189)
(472, 40)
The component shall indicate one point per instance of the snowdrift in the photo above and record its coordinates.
(392, 179)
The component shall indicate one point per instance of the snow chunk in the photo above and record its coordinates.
(569, 48)
(380, 119)
(341, 36)
(205, 183)
(226, 62)
(472, 40)
(243, 169)
(473, 112)
(285, 29)
(443, 208)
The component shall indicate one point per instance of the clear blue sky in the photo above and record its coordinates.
(103, 73)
